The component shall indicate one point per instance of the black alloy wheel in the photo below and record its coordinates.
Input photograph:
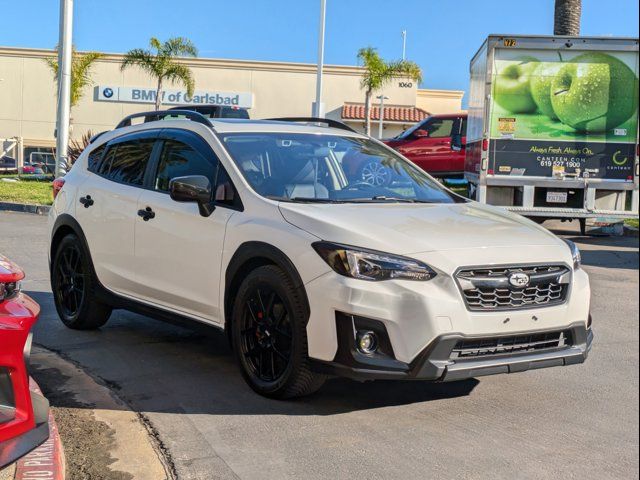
(70, 280)
(266, 334)
(269, 333)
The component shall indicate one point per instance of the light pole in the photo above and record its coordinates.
(382, 98)
(317, 108)
(64, 84)
(404, 45)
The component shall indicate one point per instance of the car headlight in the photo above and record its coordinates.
(371, 265)
(575, 253)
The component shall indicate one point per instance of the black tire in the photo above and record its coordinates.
(269, 335)
(73, 286)
(583, 226)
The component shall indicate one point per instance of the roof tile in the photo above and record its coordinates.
(392, 113)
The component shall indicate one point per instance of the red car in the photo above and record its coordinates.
(23, 413)
(437, 144)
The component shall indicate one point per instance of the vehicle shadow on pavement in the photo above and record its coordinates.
(601, 256)
(157, 367)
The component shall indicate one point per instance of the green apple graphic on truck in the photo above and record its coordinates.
(512, 86)
(594, 93)
(590, 94)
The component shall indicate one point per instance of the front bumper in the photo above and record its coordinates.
(23, 413)
(437, 361)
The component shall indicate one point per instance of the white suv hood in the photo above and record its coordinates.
(414, 228)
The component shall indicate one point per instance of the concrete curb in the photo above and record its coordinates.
(47, 460)
(133, 451)
(25, 208)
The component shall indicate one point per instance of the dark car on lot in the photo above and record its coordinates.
(437, 144)
(8, 165)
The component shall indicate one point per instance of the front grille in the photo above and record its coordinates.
(487, 289)
(483, 347)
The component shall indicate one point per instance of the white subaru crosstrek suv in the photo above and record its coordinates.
(269, 231)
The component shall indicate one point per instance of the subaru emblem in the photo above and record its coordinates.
(519, 279)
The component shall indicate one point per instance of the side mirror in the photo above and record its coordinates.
(193, 188)
(421, 133)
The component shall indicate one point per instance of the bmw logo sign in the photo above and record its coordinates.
(107, 92)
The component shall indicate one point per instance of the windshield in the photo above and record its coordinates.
(329, 168)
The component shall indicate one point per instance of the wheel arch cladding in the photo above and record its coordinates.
(65, 224)
(248, 257)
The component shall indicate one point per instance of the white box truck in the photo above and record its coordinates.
(553, 126)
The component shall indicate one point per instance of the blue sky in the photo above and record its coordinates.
(442, 34)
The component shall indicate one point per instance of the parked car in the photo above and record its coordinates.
(432, 144)
(216, 111)
(254, 227)
(8, 165)
(31, 170)
(23, 413)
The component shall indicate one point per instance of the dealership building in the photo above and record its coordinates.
(266, 89)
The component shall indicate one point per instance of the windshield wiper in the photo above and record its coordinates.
(308, 200)
(384, 198)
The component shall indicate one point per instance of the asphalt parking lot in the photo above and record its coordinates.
(573, 422)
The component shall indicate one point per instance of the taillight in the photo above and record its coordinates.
(485, 144)
(57, 185)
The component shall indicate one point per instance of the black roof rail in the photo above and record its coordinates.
(329, 122)
(97, 136)
(162, 114)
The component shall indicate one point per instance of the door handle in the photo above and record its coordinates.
(86, 201)
(147, 214)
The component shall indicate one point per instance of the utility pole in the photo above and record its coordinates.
(382, 98)
(64, 84)
(317, 108)
(404, 45)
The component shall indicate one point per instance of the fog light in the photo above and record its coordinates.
(367, 342)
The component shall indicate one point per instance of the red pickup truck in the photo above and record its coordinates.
(436, 144)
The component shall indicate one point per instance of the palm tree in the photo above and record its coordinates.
(160, 62)
(81, 65)
(567, 17)
(379, 73)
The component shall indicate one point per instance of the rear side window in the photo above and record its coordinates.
(126, 162)
(95, 157)
(178, 160)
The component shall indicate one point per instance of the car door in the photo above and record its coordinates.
(178, 251)
(106, 208)
(430, 145)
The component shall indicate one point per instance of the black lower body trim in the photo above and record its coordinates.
(435, 362)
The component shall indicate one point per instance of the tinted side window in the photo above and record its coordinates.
(439, 127)
(130, 161)
(105, 164)
(178, 160)
(95, 157)
(464, 126)
(225, 193)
